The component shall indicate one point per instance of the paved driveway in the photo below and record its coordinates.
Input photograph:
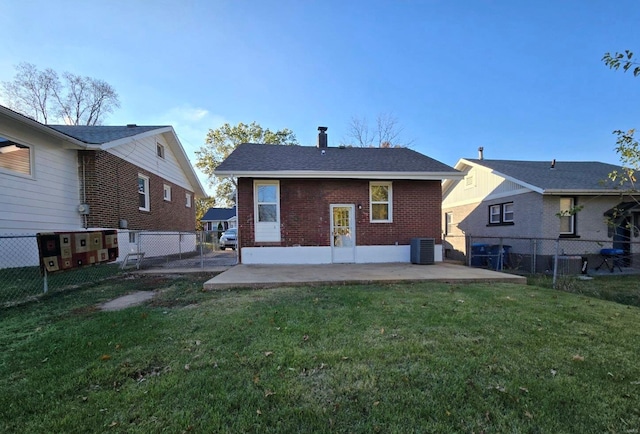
(264, 276)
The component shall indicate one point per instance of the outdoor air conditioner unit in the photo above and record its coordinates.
(422, 250)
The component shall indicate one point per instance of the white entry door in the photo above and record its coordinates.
(343, 234)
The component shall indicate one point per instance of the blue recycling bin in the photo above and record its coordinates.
(479, 252)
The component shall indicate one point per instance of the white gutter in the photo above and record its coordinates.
(436, 176)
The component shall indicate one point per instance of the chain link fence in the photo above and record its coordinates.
(21, 279)
(561, 256)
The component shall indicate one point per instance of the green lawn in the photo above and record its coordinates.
(427, 357)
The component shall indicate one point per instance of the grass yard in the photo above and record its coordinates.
(431, 357)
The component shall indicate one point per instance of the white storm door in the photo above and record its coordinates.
(343, 234)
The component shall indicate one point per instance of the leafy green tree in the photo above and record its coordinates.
(626, 145)
(222, 141)
(626, 60)
(202, 206)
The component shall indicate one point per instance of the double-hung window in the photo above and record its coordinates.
(166, 192)
(143, 193)
(448, 223)
(501, 214)
(567, 216)
(160, 150)
(380, 202)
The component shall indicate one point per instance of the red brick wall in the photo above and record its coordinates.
(305, 219)
(111, 186)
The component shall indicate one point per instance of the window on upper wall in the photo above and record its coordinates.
(567, 216)
(501, 214)
(187, 198)
(160, 150)
(380, 202)
(143, 193)
(15, 158)
(166, 192)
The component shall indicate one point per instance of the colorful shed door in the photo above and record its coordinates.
(343, 234)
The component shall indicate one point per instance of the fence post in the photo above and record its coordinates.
(555, 263)
(46, 282)
(201, 249)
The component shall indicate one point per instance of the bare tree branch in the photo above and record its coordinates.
(386, 133)
(76, 100)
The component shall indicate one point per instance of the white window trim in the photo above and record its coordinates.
(147, 193)
(494, 217)
(187, 198)
(166, 192)
(389, 202)
(32, 166)
(571, 217)
(160, 150)
(504, 212)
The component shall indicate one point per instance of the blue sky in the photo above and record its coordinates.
(523, 79)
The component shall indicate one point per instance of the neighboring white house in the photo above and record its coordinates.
(534, 199)
(74, 178)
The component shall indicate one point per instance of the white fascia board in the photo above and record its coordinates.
(423, 176)
(577, 192)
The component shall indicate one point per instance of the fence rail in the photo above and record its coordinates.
(21, 278)
(560, 256)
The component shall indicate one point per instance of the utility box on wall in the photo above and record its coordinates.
(423, 251)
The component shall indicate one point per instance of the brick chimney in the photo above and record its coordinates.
(322, 137)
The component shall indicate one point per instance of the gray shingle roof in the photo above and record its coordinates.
(218, 214)
(251, 157)
(99, 134)
(566, 175)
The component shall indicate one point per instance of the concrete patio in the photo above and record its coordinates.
(267, 276)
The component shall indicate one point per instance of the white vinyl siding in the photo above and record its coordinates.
(48, 199)
(143, 153)
(267, 210)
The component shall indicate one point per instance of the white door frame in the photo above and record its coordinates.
(343, 238)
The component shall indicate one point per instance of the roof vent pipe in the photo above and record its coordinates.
(553, 163)
(322, 137)
(480, 153)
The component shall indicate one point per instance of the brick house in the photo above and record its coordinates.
(71, 178)
(314, 205)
